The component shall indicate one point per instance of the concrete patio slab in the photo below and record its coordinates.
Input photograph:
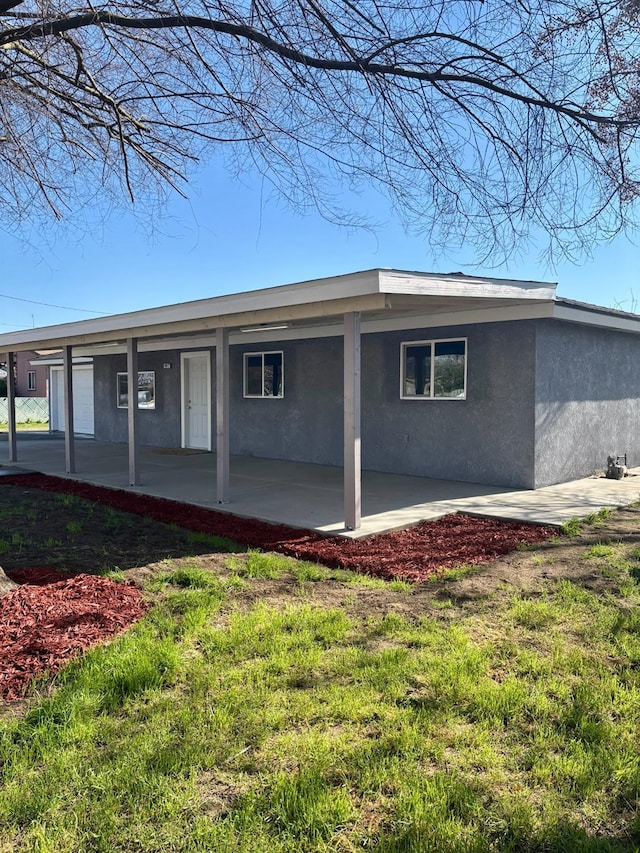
(310, 496)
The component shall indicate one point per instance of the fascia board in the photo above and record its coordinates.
(142, 323)
(594, 318)
(318, 298)
(427, 284)
(236, 308)
(86, 332)
(528, 311)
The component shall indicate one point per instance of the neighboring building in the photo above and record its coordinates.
(32, 378)
(482, 380)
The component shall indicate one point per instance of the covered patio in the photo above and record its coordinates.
(191, 404)
(311, 496)
(344, 307)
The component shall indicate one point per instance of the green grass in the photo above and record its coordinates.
(456, 573)
(573, 527)
(26, 425)
(268, 705)
(256, 564)
(304, 728)
(216, 543)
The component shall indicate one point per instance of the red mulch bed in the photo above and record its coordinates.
(42, 627)
(414, 554)
(47, 621)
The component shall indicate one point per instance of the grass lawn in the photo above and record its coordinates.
(29, 425)
(266, 704)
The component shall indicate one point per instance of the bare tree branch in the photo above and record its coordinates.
(482, 121)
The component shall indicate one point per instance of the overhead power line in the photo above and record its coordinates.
(50, 305)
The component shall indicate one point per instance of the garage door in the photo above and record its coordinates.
(82, 399)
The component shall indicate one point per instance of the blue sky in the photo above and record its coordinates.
(230, 236)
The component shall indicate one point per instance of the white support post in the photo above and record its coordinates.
(352, 461)
(222, 415)
(69, 440)
(132, 410)
(11, 406)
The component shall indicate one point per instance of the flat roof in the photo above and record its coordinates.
(376, 293)
(386, 298)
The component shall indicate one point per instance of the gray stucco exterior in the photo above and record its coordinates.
(486, 438)
(159, 427)
(546, 402)
(587, 399)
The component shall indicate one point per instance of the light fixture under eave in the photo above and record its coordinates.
(266, 328)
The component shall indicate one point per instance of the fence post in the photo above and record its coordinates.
(11, 406)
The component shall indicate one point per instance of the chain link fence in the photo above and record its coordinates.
(28, 410)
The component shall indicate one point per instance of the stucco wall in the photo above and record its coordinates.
(587, 399)
(487, 438)
(23, 367)
(159, 427)
(306, 424)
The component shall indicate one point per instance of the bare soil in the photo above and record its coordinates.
(413, 554)
(48, 539)
(527, 573)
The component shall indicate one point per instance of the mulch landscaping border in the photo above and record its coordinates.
(43, 627)
(46, 621)
(413, 554)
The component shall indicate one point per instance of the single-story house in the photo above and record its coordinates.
(482, 380)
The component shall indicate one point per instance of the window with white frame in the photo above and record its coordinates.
(263, 374)
(31, 380)
(433, 370)
(146, 392)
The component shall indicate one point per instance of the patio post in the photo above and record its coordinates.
(11, 410)
(69, 437)
(222, 415)
(132, 409)
(352, 461)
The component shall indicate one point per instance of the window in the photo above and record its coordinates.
(31, 380)
(146, 390)
(433, 370)
(263, 374)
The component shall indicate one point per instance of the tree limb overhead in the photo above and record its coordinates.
(483, 122)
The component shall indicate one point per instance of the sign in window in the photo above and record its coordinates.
(146, 393)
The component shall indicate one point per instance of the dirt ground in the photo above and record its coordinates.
(412, 554)
(42, 530)
(521, 572)
(48, 538)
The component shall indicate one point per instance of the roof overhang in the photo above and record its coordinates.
(384, 298)
(594, 315)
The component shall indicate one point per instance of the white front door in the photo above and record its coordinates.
(196, 400)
